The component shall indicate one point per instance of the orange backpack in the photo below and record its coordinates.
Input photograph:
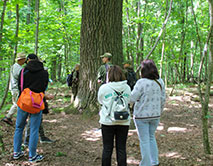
(30, 101)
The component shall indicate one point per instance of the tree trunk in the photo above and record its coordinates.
(161, 31)
(181, 53)
(192, 63)
(101, 31)
(53, 68)
(163, 45)
(17, 31)
(1, 29)
(28, 12)
(13, 58)
(139, 41)
(2, 21)
(59, 66)
(37, 26)
(206, 142)
(128, 33)
(205, 100)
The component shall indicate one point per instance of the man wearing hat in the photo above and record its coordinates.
(103, 70)
(14, 74)
(129, 73)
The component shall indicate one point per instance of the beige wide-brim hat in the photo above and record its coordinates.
(20, 56)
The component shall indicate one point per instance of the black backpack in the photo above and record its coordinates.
(69, 79)
(131, 78)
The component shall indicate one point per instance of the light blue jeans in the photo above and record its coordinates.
(146, 132)
(35, 120)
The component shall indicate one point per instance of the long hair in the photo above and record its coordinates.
(116, 74)
(149, 69)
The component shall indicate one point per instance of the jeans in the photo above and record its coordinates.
(35, 120)
(146, 132)
(120, 133)
(27, 132)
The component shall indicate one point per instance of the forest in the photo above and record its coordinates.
(176, 35)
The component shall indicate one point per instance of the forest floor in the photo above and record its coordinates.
(78, 138)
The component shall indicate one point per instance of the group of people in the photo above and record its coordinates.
(35, 77)
(147, 95)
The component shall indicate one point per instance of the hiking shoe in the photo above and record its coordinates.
(36, 158)
(46, 140)
(17, 155)
(7, 120)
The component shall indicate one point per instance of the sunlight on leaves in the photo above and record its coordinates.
(92, 135)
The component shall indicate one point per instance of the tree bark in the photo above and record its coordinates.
(101, 31)
(37, 26)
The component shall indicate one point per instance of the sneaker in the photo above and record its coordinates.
(7, 120)
(46, 140)
(35, 159)
(17, 155)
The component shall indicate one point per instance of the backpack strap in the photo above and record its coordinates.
(158, 84)
(22, 79)
(118, 94)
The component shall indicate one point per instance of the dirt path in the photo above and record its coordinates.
(78, 140)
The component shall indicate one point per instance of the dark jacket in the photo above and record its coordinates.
(35, 77)
(130, 76)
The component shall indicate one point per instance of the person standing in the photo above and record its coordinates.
(43, 137)
(149, 98)
(36, 79)
(75, 82)
(14, 73)
(113, 129)
(103, 69)
(129, 73)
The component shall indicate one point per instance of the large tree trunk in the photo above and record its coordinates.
(101, 31)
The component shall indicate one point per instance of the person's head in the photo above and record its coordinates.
(31, 57)
(149, 69)
(106, 57)
(126, 64)
(77, 67)
(21, 57)
(116, 74)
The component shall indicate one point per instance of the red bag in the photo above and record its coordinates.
(30, 101)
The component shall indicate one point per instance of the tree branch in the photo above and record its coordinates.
(161, 31)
